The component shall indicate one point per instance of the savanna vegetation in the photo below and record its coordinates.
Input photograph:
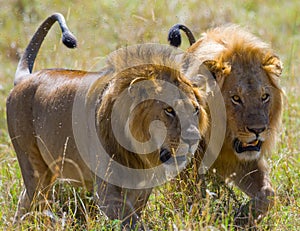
(103, 26)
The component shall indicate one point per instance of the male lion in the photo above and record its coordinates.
(139, 99)
(247, 72)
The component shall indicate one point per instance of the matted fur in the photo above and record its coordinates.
(248, 70)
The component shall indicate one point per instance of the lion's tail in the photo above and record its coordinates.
(26, 62)
(174, 36)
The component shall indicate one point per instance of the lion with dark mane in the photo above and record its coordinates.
(247, 72)
(122, 99)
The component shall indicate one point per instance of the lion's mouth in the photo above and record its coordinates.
(164, 155)
(167, 158)
(241, 147)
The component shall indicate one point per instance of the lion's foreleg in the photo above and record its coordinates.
(253, 179)
(122, 204)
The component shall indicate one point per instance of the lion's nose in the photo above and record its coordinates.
(256, 129)
(191, 136)
(191, 141)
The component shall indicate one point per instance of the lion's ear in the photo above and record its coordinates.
(218, 69)
(200, 80)
(273, 65)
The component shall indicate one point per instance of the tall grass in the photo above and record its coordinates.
(103, 26)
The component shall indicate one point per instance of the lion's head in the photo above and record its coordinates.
(173, 119)
(158, 112)
(247, 72)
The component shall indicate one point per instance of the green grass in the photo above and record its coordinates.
(102, 27)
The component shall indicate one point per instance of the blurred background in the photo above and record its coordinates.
(103, 26)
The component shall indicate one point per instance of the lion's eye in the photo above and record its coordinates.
(236, 99)
(170, 112)
(265, 98)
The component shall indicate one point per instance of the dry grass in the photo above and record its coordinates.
(101, 27)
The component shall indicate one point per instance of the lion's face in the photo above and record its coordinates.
(174, 123)
(247, 72)
(253, 105)
(249, 103)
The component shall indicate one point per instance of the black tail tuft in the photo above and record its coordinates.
(26, 62)
(174, 36)
(69, 39)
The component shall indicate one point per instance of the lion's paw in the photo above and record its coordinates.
(264, 200)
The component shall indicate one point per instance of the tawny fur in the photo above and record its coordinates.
(243, 65)
(41, 121)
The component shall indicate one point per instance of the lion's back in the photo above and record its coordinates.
(39, 115)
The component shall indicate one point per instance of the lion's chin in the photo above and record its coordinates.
(174, 160)
(175, 163)
(247, 151)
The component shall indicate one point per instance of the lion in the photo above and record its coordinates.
(51, 115)
(247, 72)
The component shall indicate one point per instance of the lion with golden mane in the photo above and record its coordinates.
(247, 72)
(42, 123)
